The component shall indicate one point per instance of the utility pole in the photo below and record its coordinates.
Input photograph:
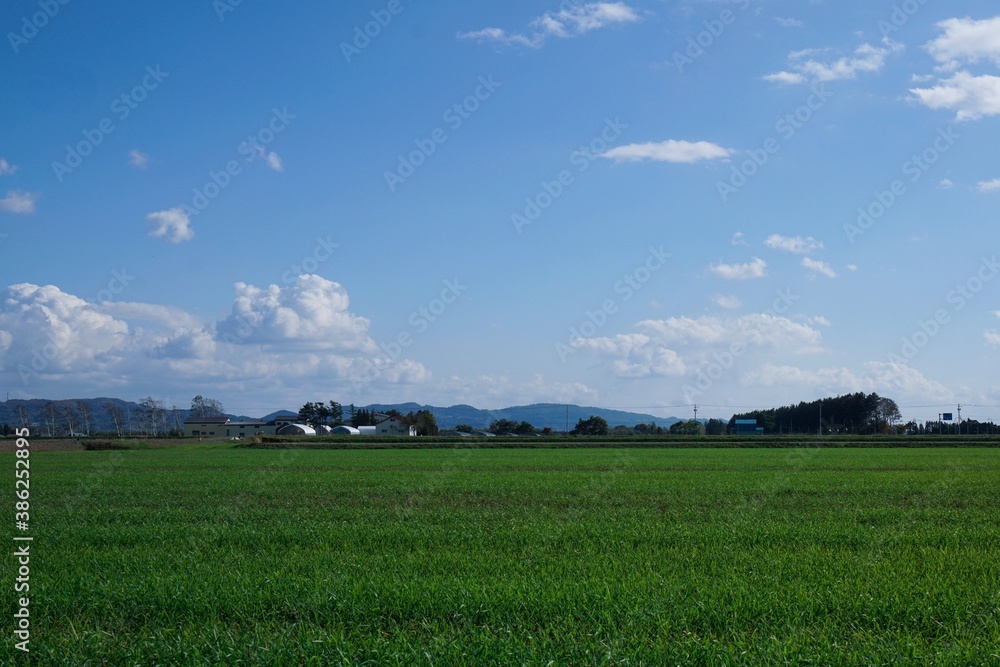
(696, 412)
(960, 419)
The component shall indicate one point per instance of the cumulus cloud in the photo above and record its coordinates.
(964, 42)
(817, 266)
(946, 184)
(138, 159)
(19, 201)
(312, 314)
(50, 332)
(172, 225)
(6, 168)
(739, 238)
(971, 97)
(292, 340)
(571, 21)
(805, 66)
(992, 337)
(678, 152)
(756, 268)
(794, 244)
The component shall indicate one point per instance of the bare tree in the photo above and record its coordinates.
(206, 407)
(68, 414)
(117, 415)
(83, 407)
(175, 415)
(151, 415)
(22, 414)
(49, 414)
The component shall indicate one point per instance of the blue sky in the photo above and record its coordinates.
(624, 204)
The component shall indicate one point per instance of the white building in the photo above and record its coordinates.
(387, 425)
(296, 429)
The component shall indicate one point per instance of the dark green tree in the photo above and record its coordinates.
(503, 426)
(592, 426)
(715, 427)
(426, 423)
(524, 428)
(690, 427)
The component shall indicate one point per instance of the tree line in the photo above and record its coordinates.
(74, 418)
(856, 414)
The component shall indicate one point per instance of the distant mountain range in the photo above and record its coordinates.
(541, 415)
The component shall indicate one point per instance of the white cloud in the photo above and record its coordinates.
(635, 355)
(819, 267)
(739, 238)
(680, 346)
(727, 301)
(795, 244)
(567, 22)
(19, 201)
(274, 161)
(992, 337)
(757, 268)
(785, 78)
(971, 97)
(51, 332)
(678, 152)
(277, 342)
(966, 40)
(166, 317)
(755, 328)
(946, 184)
(789, 23)
(898, 380)
(310, 314)
(852, 267)
(988, 186)
(138, 159)
(864, 60)
(6, 168)
(172, 225)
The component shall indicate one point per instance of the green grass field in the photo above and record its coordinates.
(213, 555)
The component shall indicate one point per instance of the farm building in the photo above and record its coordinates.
(206, 426)
(296, 429)
(747, 427)
(392, 426)
(224, 427)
